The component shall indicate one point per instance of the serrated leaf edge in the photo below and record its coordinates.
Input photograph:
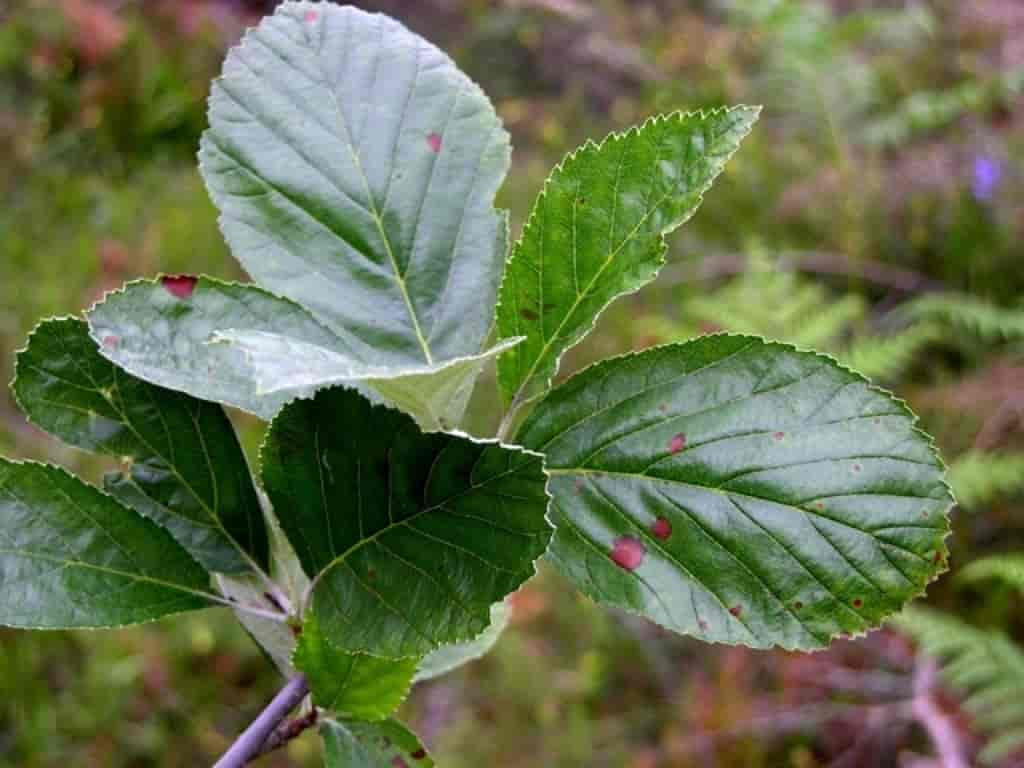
(305, 603)
(500, 129)
(406, 690)
(213, 600)
(926, 438)
(595, 146)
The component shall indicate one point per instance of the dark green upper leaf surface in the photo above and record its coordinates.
(411, 537)
(355, 169)
(184, 466)
(597, 231)
(387, 744)
(71, 556)
(162, 331)
(354, 685)
(740, 491)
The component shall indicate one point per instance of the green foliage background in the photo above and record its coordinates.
(876, 213)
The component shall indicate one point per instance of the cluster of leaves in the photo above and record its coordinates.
(733, 489)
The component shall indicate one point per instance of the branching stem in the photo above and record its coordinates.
(251, 743)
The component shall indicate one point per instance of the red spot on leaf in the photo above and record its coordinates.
(110, 341)
(797, 605)
(663, 407)
(778, 435)
(180, 286)
(628, 553)
(661, 528)
(876, 420)
(736, 610)
(399, 762)
(677, 443)
(528, 314)
(856, 467)
(577, 485)
(937, 558)
(924, 513)
(371, 574)
(434, 140)
(311, 16)
(702, 624)
(819, 505)
(419, 754)
(857, 603)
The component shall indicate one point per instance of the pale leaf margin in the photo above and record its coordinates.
(899, 402)
(516, 400)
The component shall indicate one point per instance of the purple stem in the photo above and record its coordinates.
(247, 746)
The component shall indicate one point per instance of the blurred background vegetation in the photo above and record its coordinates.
(876, 213)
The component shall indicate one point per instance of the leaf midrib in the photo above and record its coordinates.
(215, 521)
(580, 297)
(374, 212)
(70, 563)
(342, 558)
(739, 494)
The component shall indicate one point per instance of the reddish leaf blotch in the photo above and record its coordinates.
(677, 443)
(661, 528)
(434, 140)
(179, 286)
(628, 552)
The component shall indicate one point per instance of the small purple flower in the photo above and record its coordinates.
(987, 175)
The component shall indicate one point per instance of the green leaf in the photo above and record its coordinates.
(740, 491)
(410, 537)
(184, 466)
(449, 657)
(161, 332)
(1005, 567)
(71, 556)
(355, 169)
(436, 396)
(387, 744)
(354, 685)
(239, 345)
(598, 230)
(980, 478)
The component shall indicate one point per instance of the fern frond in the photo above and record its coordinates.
(978, 478)
(777, 305)
(927, 111)
(986, 321)
(985, 666)
(885, 357)
(1006, 568)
